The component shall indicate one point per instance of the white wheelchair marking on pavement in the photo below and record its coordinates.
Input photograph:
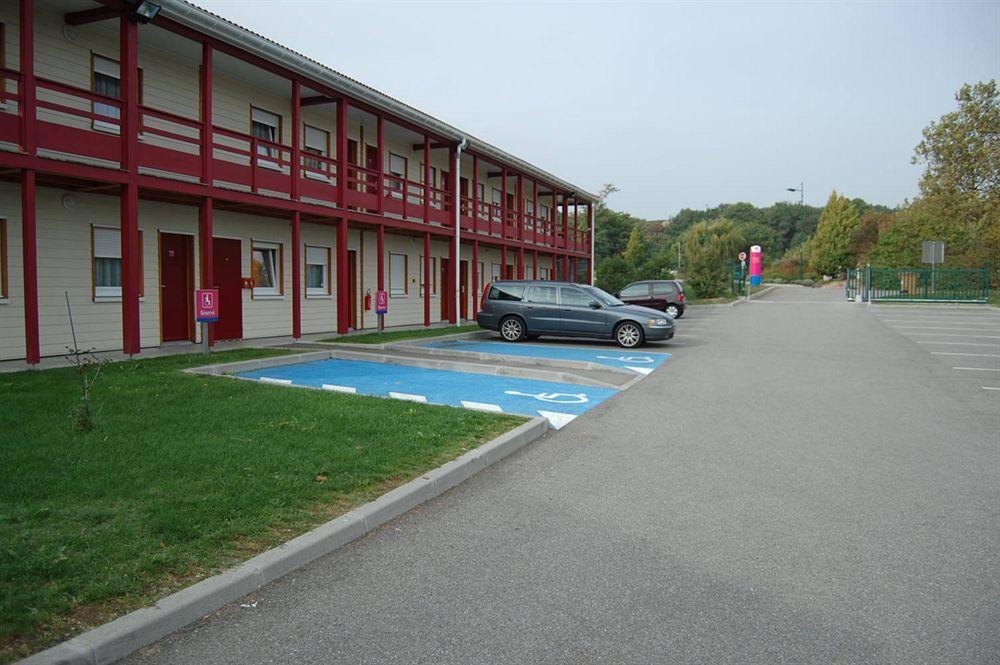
(340, 389)
(628, 359)
(407, 397)
(557, 420)
(277, 382)
(480, 406)
(558, 398)
(641, 370)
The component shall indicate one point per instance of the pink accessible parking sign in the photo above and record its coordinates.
(206, 305)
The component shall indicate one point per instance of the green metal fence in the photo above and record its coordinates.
(918, 284)
(737, 279)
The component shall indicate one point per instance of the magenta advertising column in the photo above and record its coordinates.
(756, 263)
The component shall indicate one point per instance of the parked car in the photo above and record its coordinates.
(528, 309)
(666, 295)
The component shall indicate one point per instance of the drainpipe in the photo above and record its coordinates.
(457, 207)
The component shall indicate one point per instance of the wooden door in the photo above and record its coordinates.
(445, 282)
(463, 286)
(226, 264)
(176, 287)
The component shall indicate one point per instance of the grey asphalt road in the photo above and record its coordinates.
(800, 483)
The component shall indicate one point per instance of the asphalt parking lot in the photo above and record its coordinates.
(960, 345)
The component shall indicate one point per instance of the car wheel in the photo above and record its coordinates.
(628, 334)
(512, 329)
(673, 311)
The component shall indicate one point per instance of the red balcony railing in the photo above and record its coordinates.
(10, 102)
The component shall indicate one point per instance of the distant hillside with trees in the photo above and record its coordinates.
(959, 204)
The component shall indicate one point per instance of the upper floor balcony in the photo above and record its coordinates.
(207, 115)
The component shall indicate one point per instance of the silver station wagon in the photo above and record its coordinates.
(528, 309)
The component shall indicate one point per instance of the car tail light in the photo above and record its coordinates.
(681, 298)
(482, 299)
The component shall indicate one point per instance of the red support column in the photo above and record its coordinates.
(296, 274)
(207, 134)
(128, 51)
(576, 227)
(534, 264)
(520, 210)
(503, 206)
(555, 267)
(503, 261)
(427, 274)
(343, 276)
(380, 167)
(427, 181)
(520, 262)
(475, 278)
(27, 86)
(566, 276)
(380, 261)
(296, 165)
(451, 280)
(206, 254)
(342, 156)
(29, 253)
(475, 193)
(565, 223)
(536, 217)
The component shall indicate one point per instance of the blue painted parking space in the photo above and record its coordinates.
(637, 361)
(559, 402)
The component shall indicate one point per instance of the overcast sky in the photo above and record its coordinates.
(678, 104)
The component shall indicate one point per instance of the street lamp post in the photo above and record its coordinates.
(802, 223)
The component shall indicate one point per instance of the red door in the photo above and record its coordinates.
(352, 278)
(445, 282)
(176, 288)
(463, 269)
(226, 261)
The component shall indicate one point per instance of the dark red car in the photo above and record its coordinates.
(666, 295)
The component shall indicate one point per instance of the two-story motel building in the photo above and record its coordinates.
(140, 161)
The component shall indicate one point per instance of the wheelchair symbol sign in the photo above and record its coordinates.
(628, 359)
(557, 398)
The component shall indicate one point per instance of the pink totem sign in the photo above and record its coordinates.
(206, 306)
(381, 302)
(756, 265)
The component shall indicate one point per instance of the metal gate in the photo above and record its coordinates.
(918, 284)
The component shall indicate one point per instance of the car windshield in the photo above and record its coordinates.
(603, 297)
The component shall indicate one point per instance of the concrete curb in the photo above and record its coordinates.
(119, 638)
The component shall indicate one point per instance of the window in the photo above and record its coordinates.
(572, 297)
(316, 142)
(636, 291)
(543, 273)
(482, 191)
(663, 289)
(495, 274)
(497, 196)
(317, 271)
(543, 211)
(266, 126)
(107, 81)
(3, 252)
(397, 168)
(543, 295)
(433, 275)
(265, 268)
(106, 250)
(397, 275)
(506, 292)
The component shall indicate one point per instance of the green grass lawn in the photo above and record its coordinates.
(183, 475)
(399, 335)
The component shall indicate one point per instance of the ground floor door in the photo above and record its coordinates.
(352, 287)
(176, 287)
(445, 282)
(463, 287)
(226, 265)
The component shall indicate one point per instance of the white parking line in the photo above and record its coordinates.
(990, 388)
(480, 406)
(978, 319)
(277, 382)
(953, 353)
(976, 329)
(978, 369)
(340, 389)
(407, 397)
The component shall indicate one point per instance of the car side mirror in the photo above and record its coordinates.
(594, 304)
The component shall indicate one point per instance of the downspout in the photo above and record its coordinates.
(457, 205)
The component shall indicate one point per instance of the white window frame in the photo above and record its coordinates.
(103, 66)
(497, 272)
(260, 116)
(274, 291)
(397, 290)
(319, 148)
(113, 250)
(395, 186)
(318, 255)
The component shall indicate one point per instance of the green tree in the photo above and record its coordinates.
(832, 244)
(961, 154)
(637, 249)
(899, 246)
(708, 248)
(613, 273)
